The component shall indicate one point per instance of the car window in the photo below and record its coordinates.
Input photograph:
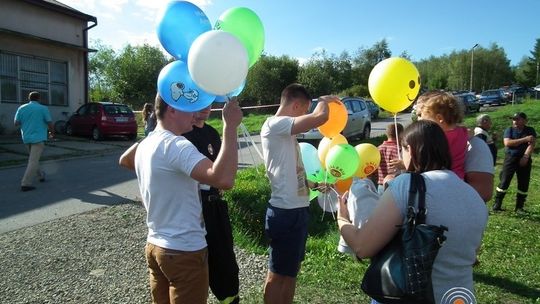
(93, 109)
(83, 110)
(362, 105)
(117, 109)
(349, 106)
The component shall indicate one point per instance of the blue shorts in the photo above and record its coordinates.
(288, 231)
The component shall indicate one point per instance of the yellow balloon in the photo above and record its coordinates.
(394, 83)
(370, 158)
(326, 144)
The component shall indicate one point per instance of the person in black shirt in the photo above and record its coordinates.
(519, 141)
(223, 269)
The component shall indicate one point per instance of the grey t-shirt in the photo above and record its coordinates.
(478, 157)
(456, 205)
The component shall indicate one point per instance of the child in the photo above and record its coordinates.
(389, 152)
(149, 118)
(361, 202)
(444, 109)
(483, 123)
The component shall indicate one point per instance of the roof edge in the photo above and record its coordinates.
(62, 8)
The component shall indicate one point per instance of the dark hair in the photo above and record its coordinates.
(391, 130)
(147, 110)
(293, 92)
(160, 107)
(429, 146)
(34, 96)
(442, 103)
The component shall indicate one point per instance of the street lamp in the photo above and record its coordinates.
(472, 64)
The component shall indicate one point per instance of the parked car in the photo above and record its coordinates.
(374, 109)
(100, 119)
(492, 97)
(469, 102)
(358, 121)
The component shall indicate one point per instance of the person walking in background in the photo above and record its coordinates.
(222, 266)
(169, 169)
(287, 214)
(519, 141)
(34, 119)
(483, 126)
(149, 118)
(444, 109)
(450, 202)
(389, 152)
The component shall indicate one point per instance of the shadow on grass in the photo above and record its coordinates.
(508, 285)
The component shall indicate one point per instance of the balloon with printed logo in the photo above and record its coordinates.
(218, 62)
(236, 92)
(243, 23)
(179, 91)
(337, 119)
(179, 24)
(326, 143)
(394, 84)
(342, 161)
(310, 158)
(370, 158)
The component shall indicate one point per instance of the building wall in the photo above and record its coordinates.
(25, 18)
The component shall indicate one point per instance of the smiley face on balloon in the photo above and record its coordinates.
(394, 84)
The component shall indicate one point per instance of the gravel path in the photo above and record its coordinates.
(94, 257)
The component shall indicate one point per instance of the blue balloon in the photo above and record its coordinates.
(179, 91)
(179, 25)
(236, 92)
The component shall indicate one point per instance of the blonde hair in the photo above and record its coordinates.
(442, 103)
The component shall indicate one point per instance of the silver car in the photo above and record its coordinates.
(358, 121)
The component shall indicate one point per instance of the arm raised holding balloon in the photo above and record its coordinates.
(312, 120)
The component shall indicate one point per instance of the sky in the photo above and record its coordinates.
(299, 28)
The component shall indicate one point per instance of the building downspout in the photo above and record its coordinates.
(85, 63)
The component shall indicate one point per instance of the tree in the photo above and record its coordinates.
(528, 69)
(364, 61)
(129, 76)
(267, 78)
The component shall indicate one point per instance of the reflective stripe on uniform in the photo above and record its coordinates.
(501, 190)
(522, 192)
(229, 300)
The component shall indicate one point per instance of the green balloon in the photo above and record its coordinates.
(313, 194)
(342, 161)
(247, 27)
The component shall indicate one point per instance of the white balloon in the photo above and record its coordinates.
(328, 201)
(218, 62)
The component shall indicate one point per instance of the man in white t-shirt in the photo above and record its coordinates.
(169, 169)
(287, 214)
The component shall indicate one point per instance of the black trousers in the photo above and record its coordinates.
(510, 167)
(222, 266)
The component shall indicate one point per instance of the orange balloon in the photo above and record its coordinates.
(337, 119)
(326, 144)
(343, 185)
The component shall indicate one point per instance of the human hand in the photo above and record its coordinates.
(343, 212)
(523, 161)
(232, 113)
(396, 164)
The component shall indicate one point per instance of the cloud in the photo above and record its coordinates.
(114, 5)
(159, 4)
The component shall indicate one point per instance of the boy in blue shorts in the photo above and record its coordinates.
(287, 214)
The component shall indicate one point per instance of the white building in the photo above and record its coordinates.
(44, 48)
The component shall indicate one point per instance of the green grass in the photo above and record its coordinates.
(509, 271)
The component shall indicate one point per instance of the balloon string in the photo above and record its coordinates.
(397, 136)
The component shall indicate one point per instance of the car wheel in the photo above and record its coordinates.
(367, 131)
(96, 134)
(69, 130)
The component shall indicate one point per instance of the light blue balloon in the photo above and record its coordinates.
(236, 92)
(179, 91)
(179, 25)
(310, 158)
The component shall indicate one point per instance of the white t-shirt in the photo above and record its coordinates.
(456, 205)
(475, 158)
(163, 164)
(284, 166)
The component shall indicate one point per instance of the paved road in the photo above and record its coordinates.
(78, 185)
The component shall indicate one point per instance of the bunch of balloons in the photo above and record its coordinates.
(335, 161)
(211, 63)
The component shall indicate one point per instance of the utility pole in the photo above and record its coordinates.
(472, 65)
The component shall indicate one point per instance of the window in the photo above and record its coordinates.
(20, 75)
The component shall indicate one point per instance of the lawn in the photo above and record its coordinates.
(509, 269)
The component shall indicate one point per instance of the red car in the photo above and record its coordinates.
(100, 119)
